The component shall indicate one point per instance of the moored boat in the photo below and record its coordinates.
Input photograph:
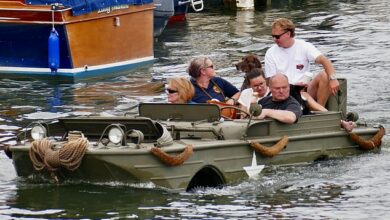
(87, 39)
(172, 11)
(163, 11)
(181, 9)
(182, 146)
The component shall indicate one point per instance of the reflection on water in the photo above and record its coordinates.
(50, 201)
(353, 34)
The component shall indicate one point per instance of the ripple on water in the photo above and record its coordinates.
(45, 115)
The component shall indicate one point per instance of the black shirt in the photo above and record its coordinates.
(290, 104)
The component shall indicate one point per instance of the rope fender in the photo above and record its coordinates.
(173, 160)
(68, 156)
(270, 151)
(370, 144)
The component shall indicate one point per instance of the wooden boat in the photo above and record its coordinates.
(182, 146)
(87, 39)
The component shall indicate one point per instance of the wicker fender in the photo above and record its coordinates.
(370, 144)
(173, 160)
(270, 151)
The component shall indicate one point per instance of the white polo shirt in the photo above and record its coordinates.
(293, 61)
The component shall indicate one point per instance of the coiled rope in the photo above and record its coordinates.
(68, 156)
(270, 151)
(370, 144)
(173, 160)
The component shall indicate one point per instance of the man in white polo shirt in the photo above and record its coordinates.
(293, 57)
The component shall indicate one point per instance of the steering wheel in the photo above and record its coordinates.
(241, 111)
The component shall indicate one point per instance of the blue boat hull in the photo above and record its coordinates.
(26, 45)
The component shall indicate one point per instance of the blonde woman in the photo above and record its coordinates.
(179, 90)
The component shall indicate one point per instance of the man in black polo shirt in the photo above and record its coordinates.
(280, 106)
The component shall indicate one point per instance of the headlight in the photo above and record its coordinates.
(115, 135)
(38, 132)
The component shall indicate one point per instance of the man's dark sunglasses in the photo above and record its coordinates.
(278, 36)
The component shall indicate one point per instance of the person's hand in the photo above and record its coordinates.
(301, 84)
(263, 114)
(230, 101)
(334, 86)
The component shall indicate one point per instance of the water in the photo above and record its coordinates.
(355, 35)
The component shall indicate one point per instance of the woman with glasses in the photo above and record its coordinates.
(179, 90)
(257, 90)
(207, 85)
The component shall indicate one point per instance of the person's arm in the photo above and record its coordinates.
(284, 116)
(236, 96)
(290, 113)
(233, 99)
(246, 98)
(330, 71)
(230, 91)
(269, 65)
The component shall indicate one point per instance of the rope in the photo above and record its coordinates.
(270, 151)
(370, 144)
(52, 17)
(74, 135)
(138, 135)
(173, 160)
(68, 156)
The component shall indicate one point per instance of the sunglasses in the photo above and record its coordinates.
(171, 91)
(278, 36)
(211, 66)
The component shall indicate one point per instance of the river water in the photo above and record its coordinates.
(354, 34)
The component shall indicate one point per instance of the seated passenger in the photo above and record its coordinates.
(179, 90)
(207, 85)
(280, 106)
(257, 89)
(294, 57)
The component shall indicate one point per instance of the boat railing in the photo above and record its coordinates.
(197, 5)
(314, 123)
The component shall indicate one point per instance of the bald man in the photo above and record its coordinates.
(280, 106)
